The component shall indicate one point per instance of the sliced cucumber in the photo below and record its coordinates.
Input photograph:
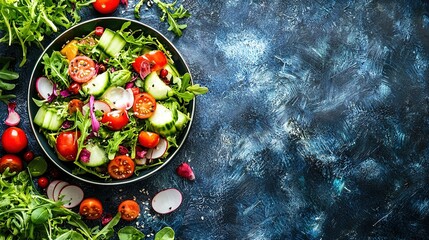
(163, 121)
(97, 85)
(106, 38)
(111, 42)
(182, 120)
(98, 156)
(48, 119)
(156, 87)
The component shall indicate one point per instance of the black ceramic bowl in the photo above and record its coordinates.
(78, 31)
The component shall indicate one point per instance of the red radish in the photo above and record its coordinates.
(72, 195)
(45, 87)
(58, 189)
(98, 106)
(119, 98)
(185, 171)
(13, 117)
(50, 189)
(167, 201)
(157, 151)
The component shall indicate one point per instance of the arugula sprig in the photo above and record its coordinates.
(171, 13)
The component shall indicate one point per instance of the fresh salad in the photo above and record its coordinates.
(112, 102)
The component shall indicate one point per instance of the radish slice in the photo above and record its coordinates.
(50, 189)
(57, 190)
(45, 87)
(119, 98)
(72, 195)
(13, 117)
(98, 106)
(167, 201)
(157, 151)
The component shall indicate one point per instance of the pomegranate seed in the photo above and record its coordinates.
(163, 73)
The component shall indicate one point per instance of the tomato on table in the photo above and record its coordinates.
(148, 139)
(116, 119)
(121, 167)
(156, 59)
(14, 140)
(129, 210)
(91, 208)
(11, 161)
(66, 145)
(105, 6)
(82, 69)
(144, 105)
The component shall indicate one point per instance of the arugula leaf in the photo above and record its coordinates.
(56, 69)
(171, 13)
(167, 233)
(130, 233)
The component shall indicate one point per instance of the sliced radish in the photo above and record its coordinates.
(45, 87)
(50, 189)
(72, 195)
(167, 201)
(57, 190)
(119, 98)
(157, 151)
(13, 117)
(99, 105)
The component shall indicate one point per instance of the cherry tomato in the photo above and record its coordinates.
(129, 210)
(91, 208)
(82, 69)
(43, 182)
(144, 105)
(116, 119)
(156, 58)
(11, 161)
(148, 139)
(121, 167)
(75, 105)
(106, 6)
(135, 90)
(14, 140)
(74, 88)
(99, 31)
(28, 156)
(66, 145)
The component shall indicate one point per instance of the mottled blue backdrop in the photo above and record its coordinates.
(316, 125)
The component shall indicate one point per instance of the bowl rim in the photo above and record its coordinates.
(153, 170)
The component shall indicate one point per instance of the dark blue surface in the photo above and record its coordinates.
(316, 125)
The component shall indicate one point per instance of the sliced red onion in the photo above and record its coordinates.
(140, 152)
(54, 93)
(122, 150)
(65, 93)
(129, 85)
(84, 156)
(13, 117)
(125, 2)
(95, 124)
(67, 124)
(106, 219)
(144, 69)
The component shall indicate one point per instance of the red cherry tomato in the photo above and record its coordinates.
(106, 6)
(81, 69)
(116, 119)
(14, 140)
(43, 182)
(148, 139)
(135, 90)
(28, 156)
(91, 208)
(121, 167)
(129, 210)
(66, 145)
(74, 88)
(156, 58)
(11, 161)
(144, 105)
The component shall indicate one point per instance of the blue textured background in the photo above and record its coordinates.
(316, 125)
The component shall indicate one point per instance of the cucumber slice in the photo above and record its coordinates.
(115, 45)
(163, 121)
(172, 70)
(156, 87)
(40, 116)
(48, 119)
(98, 156)
(182, 120)
(97, 85)
(106, 38)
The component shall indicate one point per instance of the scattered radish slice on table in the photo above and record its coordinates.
(185, 171)
(72, 196)
(167, 201)
(58, 188)
(13, 117)
(50, 189)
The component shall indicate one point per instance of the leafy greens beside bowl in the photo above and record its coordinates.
(111, 101)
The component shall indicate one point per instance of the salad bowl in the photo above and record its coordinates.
(78, 31)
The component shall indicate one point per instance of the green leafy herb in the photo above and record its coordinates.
(137, 9)
(6, 76)
(56, 67)
(167, 233)
(130, 233)
(171, 13)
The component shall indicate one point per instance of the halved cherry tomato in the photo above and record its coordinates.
(121, 167)
(144, 105)
(116, 119)
(148, 139)
(135, 90)
(156, 58)
(14, 140)
(11, 161)
(91, 208)
(74, 88)
(129, 210)
(81, 69)
(106, 6)
(66, 145)
(75, 105)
